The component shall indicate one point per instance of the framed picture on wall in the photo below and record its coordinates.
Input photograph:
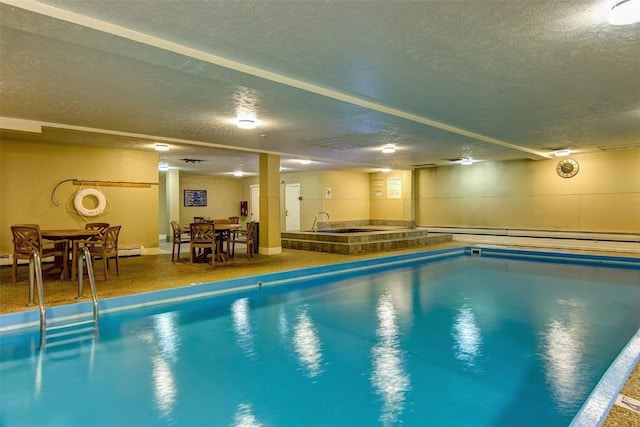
(195, 198)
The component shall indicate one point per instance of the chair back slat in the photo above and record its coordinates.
(111, 239)
(26, 238)
(98, 226)
(202, 232)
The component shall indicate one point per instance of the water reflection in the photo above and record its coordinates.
(389, 377)
(164, 342)
(242, 325)
(307, 344)
(283, 323)
(467, 336)
(563, 343)
(244, 417)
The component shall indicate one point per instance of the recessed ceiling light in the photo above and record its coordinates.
(626, 12)
(466, 161)
(238, 173)
(389, 149)
(304, 162)
(161, 147)
(385, 170)
(562, 153)
(246, 124)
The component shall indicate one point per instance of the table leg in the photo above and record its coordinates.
(74, 262)
(58, 262)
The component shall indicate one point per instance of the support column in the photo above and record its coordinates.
(172, 184)
(270, 238)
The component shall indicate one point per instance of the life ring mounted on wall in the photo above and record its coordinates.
(78, 202)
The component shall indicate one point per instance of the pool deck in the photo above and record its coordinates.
(156, 272)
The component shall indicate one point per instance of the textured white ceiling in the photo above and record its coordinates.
(332, 81)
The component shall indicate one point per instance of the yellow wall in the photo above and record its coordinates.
(30, 170)
(349, 195)
(385, 204)
(223, 197)
(604, 196)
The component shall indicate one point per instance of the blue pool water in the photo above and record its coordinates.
(468, 341)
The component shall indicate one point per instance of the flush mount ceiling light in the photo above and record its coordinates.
(238, 173)
(562, 153)
(385, 170)
(246, 124)
(160, 147)
(626, 12)
(163, 167)
(466, 161)
(304, 162)
(389, 149)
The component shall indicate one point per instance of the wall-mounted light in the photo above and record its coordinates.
(389, 149)
(626, 12)
(562, 153)
(160, 147)
(466, 161)
(246, 123)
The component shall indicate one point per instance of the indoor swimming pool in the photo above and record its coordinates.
(456, 338)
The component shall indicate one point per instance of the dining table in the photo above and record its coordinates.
(74, 237)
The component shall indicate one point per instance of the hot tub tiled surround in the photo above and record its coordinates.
(384, 236)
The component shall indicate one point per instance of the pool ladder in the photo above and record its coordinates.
(317, 223)
(68, 332)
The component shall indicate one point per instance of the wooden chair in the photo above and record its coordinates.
(234, 220)
(27, 238)
(247, 237)
(105, 248)
(179, 236)
(100, 226)
(198, 219)
(203, 236)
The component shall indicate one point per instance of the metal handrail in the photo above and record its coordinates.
(86, 255)
(35, 274)
(317, 223)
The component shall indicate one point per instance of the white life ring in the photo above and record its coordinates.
(92, 192)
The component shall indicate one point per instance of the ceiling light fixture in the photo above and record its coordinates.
(163, 167)
(246, 124)
(626, 12)
(562, 153)
(304, 162)
(385, 170)
(238, 173)
(466, 161)
(389, 149)
(161, 147)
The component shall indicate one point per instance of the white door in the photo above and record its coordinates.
(254, 207)
(292, 206)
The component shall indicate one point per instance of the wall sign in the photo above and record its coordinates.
(394, 187)
(195, 197)
(327, 192)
